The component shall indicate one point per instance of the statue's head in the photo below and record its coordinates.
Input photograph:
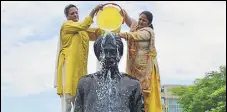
(109, 50)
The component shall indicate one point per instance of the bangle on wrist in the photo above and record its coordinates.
(126, 36)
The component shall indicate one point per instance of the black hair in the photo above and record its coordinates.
(149, 17)
(66, 10)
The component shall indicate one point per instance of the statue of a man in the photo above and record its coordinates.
(108, 90)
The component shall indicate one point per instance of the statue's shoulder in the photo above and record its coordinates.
(130, 81)
(129, 76)
(89, 76)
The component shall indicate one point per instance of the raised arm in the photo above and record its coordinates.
(94, 33)
(74, 27)
(142, 34)
(127, 19)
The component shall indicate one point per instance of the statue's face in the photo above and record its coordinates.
(111, 55)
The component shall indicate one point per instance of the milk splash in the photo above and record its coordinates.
(107, 91)
(102, 55)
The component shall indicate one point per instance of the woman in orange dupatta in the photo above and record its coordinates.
(141, 58)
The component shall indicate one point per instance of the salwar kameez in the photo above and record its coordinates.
(142, 64)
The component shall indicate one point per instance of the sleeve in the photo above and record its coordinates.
(57, 64)
(79, 103)
(133, 23)
(94, 33)
(129, 21)
(137, 35)
(138, 101)
(73, 27)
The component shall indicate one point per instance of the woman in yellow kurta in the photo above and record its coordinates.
(141, 58)
(73, 53)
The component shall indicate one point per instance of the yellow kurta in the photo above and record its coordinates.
(142, 64)
(73, 54)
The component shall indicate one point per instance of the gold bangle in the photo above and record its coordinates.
(126, 36)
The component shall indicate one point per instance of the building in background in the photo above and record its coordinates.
(169, 101)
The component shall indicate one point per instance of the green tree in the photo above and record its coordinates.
(207, 94)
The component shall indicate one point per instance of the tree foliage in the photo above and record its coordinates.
(207, 94)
